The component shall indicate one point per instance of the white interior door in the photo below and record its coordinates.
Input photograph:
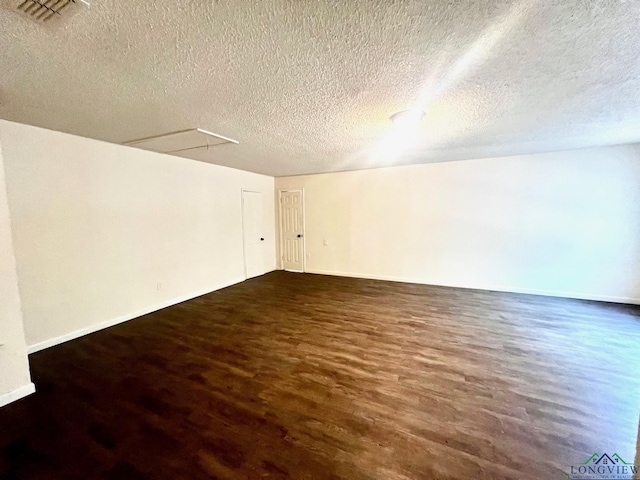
(252, 227)
(292, 230)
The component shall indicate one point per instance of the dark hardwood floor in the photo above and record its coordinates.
(292, 376)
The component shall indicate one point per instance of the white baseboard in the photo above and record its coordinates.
(17, 394)
(124, 318)
(495, 288)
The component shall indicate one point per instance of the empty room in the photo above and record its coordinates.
(390, 240)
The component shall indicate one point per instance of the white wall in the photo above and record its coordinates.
(565, 223)
(15, 381)
(97, 226)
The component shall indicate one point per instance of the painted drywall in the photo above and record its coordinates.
(15, 380)
(565, 223)
(97, 226)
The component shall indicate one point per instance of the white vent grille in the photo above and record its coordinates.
(46, 10)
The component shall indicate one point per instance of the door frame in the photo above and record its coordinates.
(304, 230)
(244, 247)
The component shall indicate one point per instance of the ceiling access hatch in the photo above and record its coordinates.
(181, 143)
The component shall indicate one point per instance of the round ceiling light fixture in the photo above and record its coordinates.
(407, 118)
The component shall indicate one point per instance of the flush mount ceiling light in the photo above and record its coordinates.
(407, 118)
(402, 138)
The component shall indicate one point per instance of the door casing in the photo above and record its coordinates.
(244, 239)
(304, 231)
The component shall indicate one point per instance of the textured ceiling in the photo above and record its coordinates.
(308, 86)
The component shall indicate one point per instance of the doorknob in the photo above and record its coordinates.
(299, 235)
(261, 239)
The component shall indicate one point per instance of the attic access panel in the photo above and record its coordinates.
(181, 141)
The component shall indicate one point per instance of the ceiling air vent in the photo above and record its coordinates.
(45, 11)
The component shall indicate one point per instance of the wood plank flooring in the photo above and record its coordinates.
(292, 376)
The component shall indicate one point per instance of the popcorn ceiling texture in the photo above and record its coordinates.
(308, 86)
